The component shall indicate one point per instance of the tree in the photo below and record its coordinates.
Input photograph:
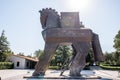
(21, 54)
(90, 57)
(116, 56)
(117, 47)
(62, 53)
(4, 47)
(112, 58)
(38, 53)
(109, 58)
(117, 42)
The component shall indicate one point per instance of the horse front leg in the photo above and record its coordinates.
(45, 59)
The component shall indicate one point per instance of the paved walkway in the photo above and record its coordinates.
(13, 74)
(17, 74)
(112, 74)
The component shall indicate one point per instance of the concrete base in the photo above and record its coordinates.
(59, 77)
(85, 74)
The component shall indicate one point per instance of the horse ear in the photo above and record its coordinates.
(40, 11)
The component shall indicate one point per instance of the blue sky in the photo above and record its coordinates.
(20, 20)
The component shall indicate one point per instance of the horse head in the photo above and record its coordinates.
(49, 18)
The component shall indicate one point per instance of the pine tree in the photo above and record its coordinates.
(4, 47)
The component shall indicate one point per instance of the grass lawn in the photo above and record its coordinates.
(109, 67)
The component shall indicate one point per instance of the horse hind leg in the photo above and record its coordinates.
(98, 54)
(79, 60)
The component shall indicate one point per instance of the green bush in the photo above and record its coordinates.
(54, 67)
(110, 67)
(6, 65)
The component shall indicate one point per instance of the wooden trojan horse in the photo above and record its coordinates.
(66, 29)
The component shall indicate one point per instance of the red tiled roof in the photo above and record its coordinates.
(28, 58)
